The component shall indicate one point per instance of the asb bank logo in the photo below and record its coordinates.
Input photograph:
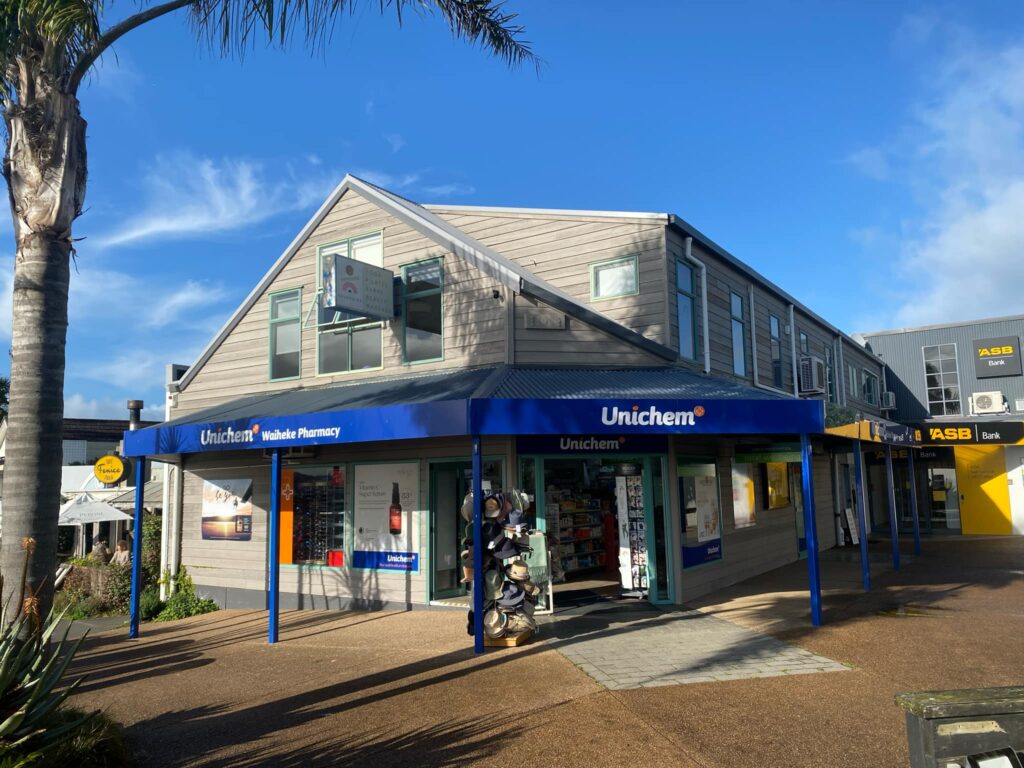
(951, 433)
(653, 416)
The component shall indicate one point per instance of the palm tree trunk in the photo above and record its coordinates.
(45, 167)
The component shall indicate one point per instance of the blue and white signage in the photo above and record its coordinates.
(364, 290)
(408, 562)
(509, 416)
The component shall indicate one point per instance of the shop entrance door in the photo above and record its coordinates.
(449, 483)
(943, 501)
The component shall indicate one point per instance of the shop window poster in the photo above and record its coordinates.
(744, 514)
(386, 504)
(227, 510)
(702, 513)
(776, 474)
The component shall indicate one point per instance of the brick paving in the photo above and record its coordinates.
(646, 648)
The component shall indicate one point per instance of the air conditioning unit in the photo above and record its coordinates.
(988, 402)
(888, 401)
(812, 374)
(301, 452)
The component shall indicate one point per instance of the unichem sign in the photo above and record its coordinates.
(230, 436)
(649, 417)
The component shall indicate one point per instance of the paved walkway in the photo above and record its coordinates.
(640, 647)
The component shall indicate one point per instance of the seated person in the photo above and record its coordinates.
(121, 555)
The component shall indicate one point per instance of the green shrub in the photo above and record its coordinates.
(185, 602)
(150, 604)
(151, 526)
(119, 588)
(98, 743)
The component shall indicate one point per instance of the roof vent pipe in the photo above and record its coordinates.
(706, 334)
(134, 414)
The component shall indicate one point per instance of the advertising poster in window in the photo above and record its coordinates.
(702, 513)
(227, 510)
(744, 514)
(387, 504)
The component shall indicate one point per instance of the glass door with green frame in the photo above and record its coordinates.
(449, 483)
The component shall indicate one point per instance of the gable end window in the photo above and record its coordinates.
(346, 342)
(739, 347)
(285, 335)
(617, 277)
(870, 388)
(423, 285)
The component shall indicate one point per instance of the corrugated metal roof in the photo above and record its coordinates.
(643, 383)
(152, 496)
(458, 385)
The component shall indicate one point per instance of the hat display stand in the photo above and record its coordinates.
(510, 597)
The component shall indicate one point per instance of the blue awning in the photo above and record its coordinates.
(487, 401)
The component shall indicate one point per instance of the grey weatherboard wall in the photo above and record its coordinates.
(901, 351)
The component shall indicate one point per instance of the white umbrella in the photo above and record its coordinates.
(84, 509)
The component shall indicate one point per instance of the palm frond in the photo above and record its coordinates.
(233, 25)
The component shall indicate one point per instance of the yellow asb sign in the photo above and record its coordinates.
(110, 469)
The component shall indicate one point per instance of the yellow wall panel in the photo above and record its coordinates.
(981, 477)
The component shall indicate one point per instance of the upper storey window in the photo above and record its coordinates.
(346, 342)
(285, 334)
(686, 311)
(739, 333)
(422, 310)
(618, 277)
(942, 379)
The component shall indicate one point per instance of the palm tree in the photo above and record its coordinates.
(46, 48)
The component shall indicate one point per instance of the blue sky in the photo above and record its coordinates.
(867, 156)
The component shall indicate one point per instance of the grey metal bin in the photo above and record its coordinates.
(972, 728)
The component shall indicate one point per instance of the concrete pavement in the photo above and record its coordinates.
(387, 689)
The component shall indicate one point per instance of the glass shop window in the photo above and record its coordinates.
(700, 502)
(776, 485)
(318, 516)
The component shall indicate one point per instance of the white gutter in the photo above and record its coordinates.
(705, 331)
(792, 346)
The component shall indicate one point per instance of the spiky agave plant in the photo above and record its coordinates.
(32, 667)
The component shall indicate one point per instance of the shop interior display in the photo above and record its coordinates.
(510, 596)
(319, 517)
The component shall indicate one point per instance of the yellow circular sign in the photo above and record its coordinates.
(110, 469)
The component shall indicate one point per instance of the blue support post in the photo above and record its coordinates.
(913, 501)
(811, 530)
(478, 549)
(274, 556)
(862, 516)
(894, 524)
(140, 495)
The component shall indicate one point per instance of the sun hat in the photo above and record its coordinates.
(494, 505)
(531, 589)
(512, 595)
(493, 584)
(506, 550)
(467, 507)
(527, 608)
(495, 623)
(517, 623)
(517, 570)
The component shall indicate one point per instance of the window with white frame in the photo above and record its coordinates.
(942, 380)
(285, 334)
(830, 376)
(616, 277)
(805, 346)
(346, 342)
(686, 304)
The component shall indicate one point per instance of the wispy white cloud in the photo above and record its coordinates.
(369, 106)
(115, 74)
(189, 196)
(450, 190)
(173, 306)
(871, 162)
(962, 154)
(394, 140)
